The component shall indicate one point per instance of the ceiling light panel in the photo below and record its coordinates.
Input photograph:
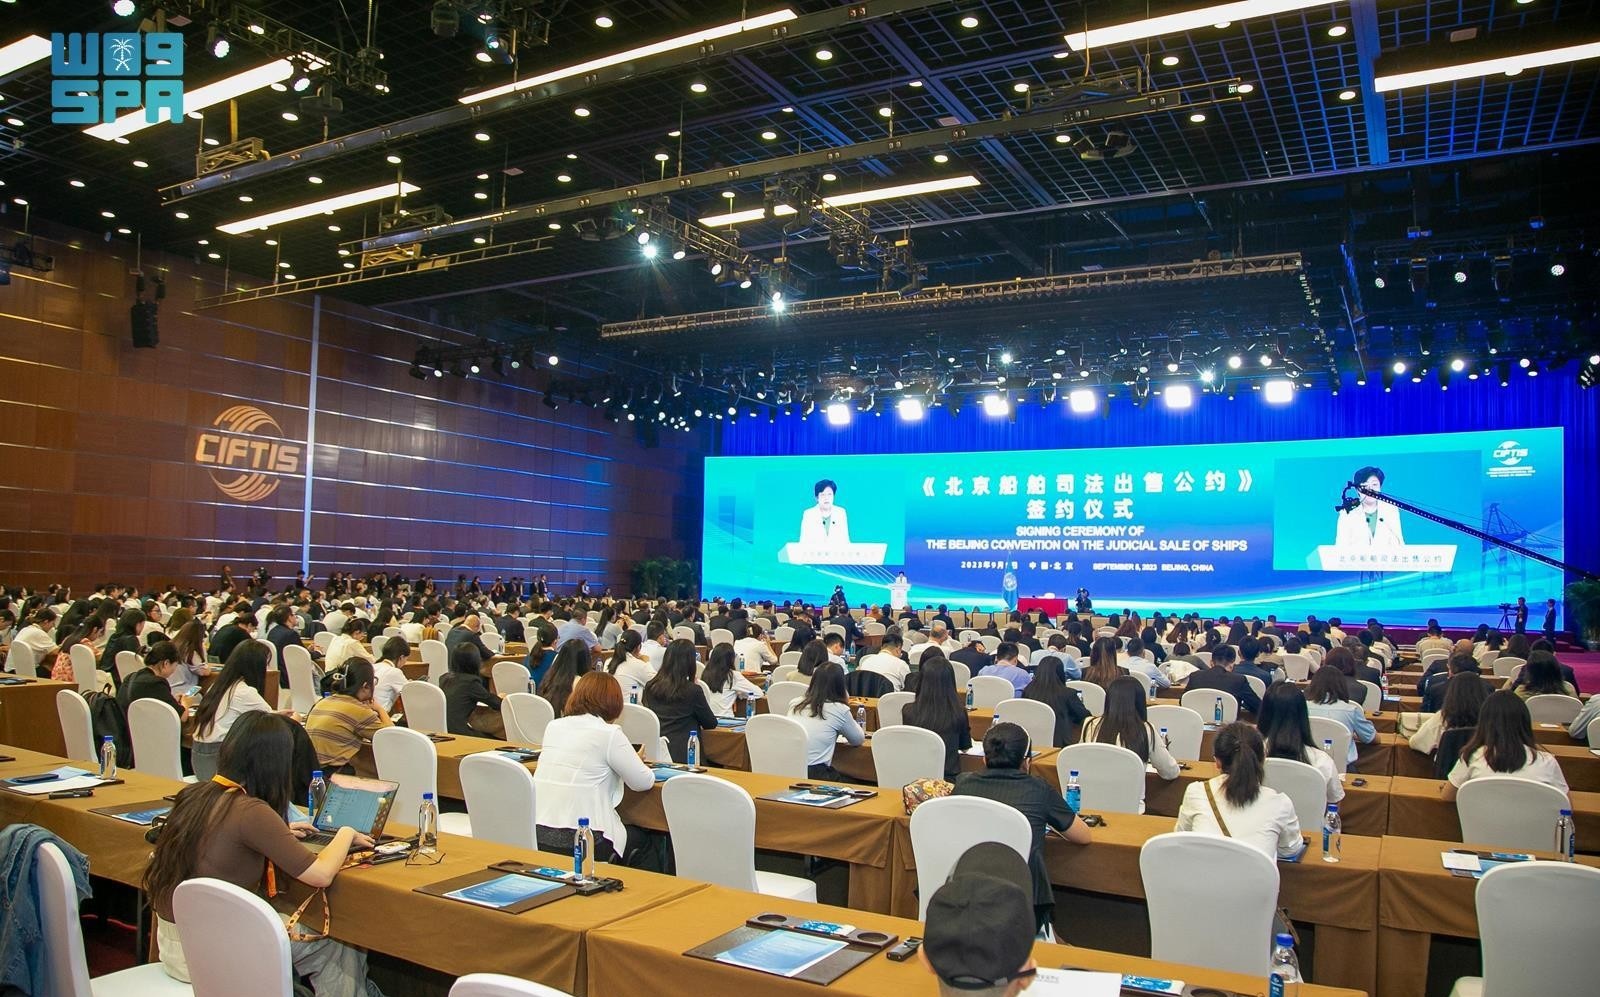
(338, 202)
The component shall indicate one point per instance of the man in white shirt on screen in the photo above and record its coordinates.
(825, 525)
(1371, 524)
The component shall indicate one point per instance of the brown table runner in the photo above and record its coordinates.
(1416, 810)
(28, 717)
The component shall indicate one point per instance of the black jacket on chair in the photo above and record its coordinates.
(1216, 677)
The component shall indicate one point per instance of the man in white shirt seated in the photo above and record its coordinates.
(939, 636)
(889, 662)
(334, 622)
(835, 646)
(753, 652)
(654, 647)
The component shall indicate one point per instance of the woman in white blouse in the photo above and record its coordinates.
(1464, 696)
(630, 665)
(1285, 726)
(727, 684)
(824, 711)
(1504, 745)
(240, 689)
(1125, 723)
(1237, 804)
(584, 763)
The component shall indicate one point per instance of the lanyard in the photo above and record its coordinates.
(233, 787)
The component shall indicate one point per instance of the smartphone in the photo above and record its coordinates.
(905, 950)
(1358, 783)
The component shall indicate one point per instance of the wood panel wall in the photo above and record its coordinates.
(443, 476)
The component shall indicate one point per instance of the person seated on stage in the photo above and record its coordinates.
(753, 649)
(1103, 668)
(1049, 686)
(990, 886)
(941, 708)
(1434, 641)
(889, 661)
(1285, 725)
(1542, 646)
(153, 680)
(727, 683)
(1542, 676)
(1007, 779)
(1220, 675)
(1328, 696)
(1435, 681)
(1248, 664)
(1238, 799)
(465, 690)
(824, 712)
(585, 761)
(1005, 666)
(1464, 696)
(1136, 662)
(677, 701)
(1126, 724)
(340, 723)
(1504, 745)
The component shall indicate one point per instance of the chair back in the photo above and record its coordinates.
(1297, 667)
(873, 629)
(1204, 656)
(232, 940)
(272, 655)
(902, 754)
(788, 673)
(990, 643)
(77, 726)
(868, 684)
(525, 716)
(127, 664)
(783, 635)
(22, 659)
(683, 633)
(1328, 729)
(1507, 666)
(1371, 696)
(720, 635)
(85, 670)
(963, 673)
(1554, 708)
(1503, 811)
(713, 828)
(1430, 656)
(1537, 955)
(499, 791)
(642, 727)
(424, 707)
(1305, 787)
(892, 705)
(943, 828)
(323, 640)
(1093, 696)
(989, 691)
(1186, 729)
(67, 968)
(437, 657)
(783, 695)
(407, 757)
(302, 678)
(777, 745)
(1238, 891)
(834, 628)
(1204, 702)
(156, 732)
(509, 677)
(1038, 719)
(493, 641)
(1110, 778)
(1256, 686)
(789, 659)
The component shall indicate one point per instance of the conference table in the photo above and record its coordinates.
(28, 717)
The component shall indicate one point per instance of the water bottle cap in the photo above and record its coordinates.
(1285, 939)
(427, 796)
(1566, 813)
(1072, 772)
(583, 822)
(316, 773)
(1333, 808)
(106, 738)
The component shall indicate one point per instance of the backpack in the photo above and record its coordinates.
(106, 715)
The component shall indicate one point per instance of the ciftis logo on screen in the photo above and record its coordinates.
(1513, 461)
(96, 77)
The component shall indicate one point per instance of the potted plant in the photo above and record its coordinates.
(1583, 602)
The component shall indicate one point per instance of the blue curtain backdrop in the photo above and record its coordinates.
(1550, 399)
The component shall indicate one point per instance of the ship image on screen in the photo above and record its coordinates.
(1246, 528)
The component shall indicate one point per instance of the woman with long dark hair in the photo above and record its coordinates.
(230, 826)
(1542, 676)
(814, 654)
(465, 690)
(1103, 668)
(679, 703)
(1328, 695)
(1126, 723)
(727, 684)
(239, 690)
(1464, 694)
(190, 641)
(824, 711)
(630, 664)
(1504, 745)
(1049, 686)
(1285, 726)
(125, 638)
(338, 724)
(62, 669)
(572, 662)
(941, 708)
(1238, 804)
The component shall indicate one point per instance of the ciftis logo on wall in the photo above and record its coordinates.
(246, 452)
(96, 77)
(1511, 460)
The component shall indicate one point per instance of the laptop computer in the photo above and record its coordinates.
(363, 804)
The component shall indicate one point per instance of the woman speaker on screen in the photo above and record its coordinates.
(1370, 523)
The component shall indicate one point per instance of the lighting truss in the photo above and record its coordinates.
(241, 22)
(21, 254)
(1474, 247)
(849, 232)
(947, 296)
(659, 219)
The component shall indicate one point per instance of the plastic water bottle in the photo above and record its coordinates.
(633, 695)
(741, 662)
(316, 793)
(972, 700)
(108, 758)
(1566, 837)
(1283, 979)
(1216, 712)
(1383, 682)
(1074, 793)
(427, 826)
(749, 707)
(861, 717)
(1327, 747)
(1165, 739)
(583, 850)
(1332, 834)
(693, 756)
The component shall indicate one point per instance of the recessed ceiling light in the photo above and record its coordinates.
(1061, 55)
(289, 276)
(333, 228)
(208, 140)
(1021, 86)
(348, 265)
(284, 265)
(603, 21)
(572, 155)
(483, 57)
(675, 133)
(203, 242)
(787, 109)
(1347, 95)
(246, 198)
(940, 157)
(20, 200)
(1063, 139)
(581, 111)
(1514, 72)
(1223, 25)
(1169, 60)
(392, 159)
(76, 183)
(884, 112)
(1246, 88)
(824, 54)
(14, 122)
(915, 84)
(563, 178)
(481, 136)
(769, 135)
(969, 21)
(830, 177)
(181, 215)
(344, 252)
(214, 256)
(480, 195)
(313, 179)
(699, 86)
(280, 87)
(271, 242)
(662, 157)
(290, 116)
(141, 164)
(1337, 31)
(483, 176)
(478, 240)
(1197, 117)
(124, 231)
(554, 226)
(108, 214)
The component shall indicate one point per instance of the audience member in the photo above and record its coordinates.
(1503, 744)
(1237, 803)
(940, 707)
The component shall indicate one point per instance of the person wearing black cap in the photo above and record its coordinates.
(989, 886)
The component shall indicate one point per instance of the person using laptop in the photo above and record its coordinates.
(231, 827)
(339, 723)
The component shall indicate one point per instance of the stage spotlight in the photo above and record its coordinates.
(679, 254)
(1207, 376)
(1458, 365)
(1235, 362)
(1005, 356)
(552, 360)
(649, 250)
(744, 283)
(910, 409)
(643, 236)
(1278, 392)
(1266, 361)
(445, 19)
(551, 403)
(217, 42)
(996, 405)
(715, 268)
(1594, 358)
(475, 368)
(1379, 283)
(1178, 396)
(838, 414)
(1399, 367)
(778, 304)
(1172, 368)
(124, 8)
(1558, 267)
(1524, 363)
(1460, 275)
(1082, 401)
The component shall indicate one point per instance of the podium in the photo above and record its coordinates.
(853, 553)
(1424, 558)
(899, 595)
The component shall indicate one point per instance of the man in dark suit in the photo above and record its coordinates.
(467, 633)
(1522, 614)
(1249, 650)
(1550, 621)
(239, 630)
(973, 656)
(739, 623)
(943, 616)
(1220, 676)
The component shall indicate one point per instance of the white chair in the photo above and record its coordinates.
(1093, 696)
(1038, 719)
(1304, 786)
(903, 754)
(1540, 954)
(437, 657)
(156, 732)
(510, 677)
(989, 691)
(84, 668)
(407, 757)
(683, 633)
(1110, 778)
(963, 674)
(272, 655)
(783, 695)
(1204, 656)
(914, 654)
(1432, 656)
(1234, 884)
(777, 745)
(873, 630)
(499, 792)
(1371, 696)
(1503, 811)
(720, 636)
(22, 659)
(784, 635)
(390, 631)
(789, 659)
(302, 674)
(324, 640)
(892, 705)
(788, 673)
(424, 707)
(990, 644)
(642, 727)
(127, 664)
(67, 969)
(493, 641)
(1297, 667)
(1204, 702)
(77, 726)
(232, 940)
(525, 716)
(834, 628)
(713, 828)
(1256, 686)
(1327, 729)
(943, 828)
(495, 985)
(1548, 708)
(1505, 667)
(1186, 729)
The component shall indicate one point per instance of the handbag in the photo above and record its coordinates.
(1281, 925)
(913, 794)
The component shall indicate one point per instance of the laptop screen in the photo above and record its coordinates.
(355, 802)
